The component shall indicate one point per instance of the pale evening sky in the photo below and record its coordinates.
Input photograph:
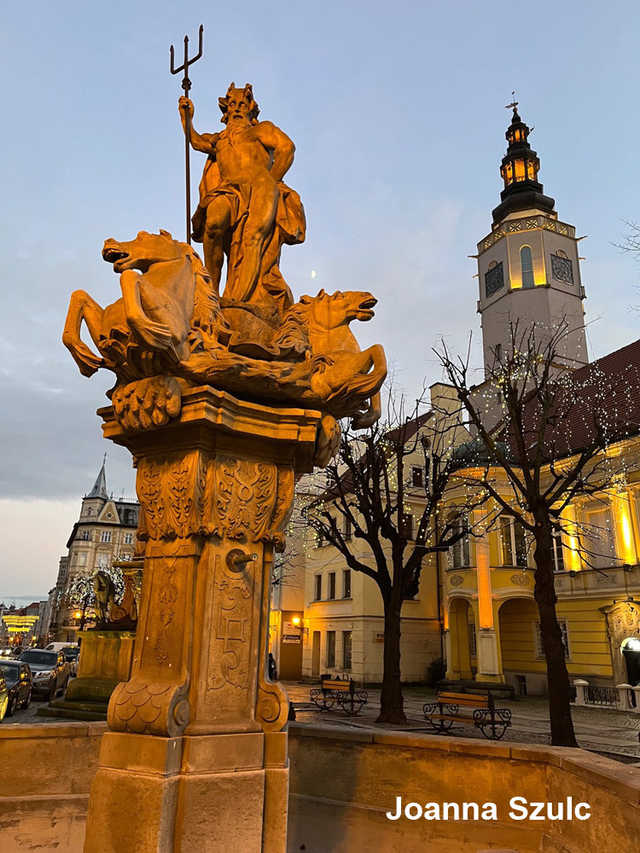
(397, 112)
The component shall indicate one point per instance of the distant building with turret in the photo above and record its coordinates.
(104, 532)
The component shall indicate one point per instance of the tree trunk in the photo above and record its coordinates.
(391, 701)
(562, 733)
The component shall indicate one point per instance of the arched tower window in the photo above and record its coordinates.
(526, 263)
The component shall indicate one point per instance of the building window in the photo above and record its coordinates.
(346, 583)
(128, 538)
(332, 585)
(331, 648)
(81, 558)
(473, 645)
(558, 553)
(105, 536)
(347, 528)
(417, 477)
(598, 542)
(562, 268)
(346, 650)
(513, 542)
(494, 279)
(526, 263)
(407, 526)
(317, 593)
(565, 639)
(85, 535)
(460, 552)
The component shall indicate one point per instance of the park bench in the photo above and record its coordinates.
(341, 692)
(446, 710)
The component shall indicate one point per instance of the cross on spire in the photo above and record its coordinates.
(514, 103)
(99, 489)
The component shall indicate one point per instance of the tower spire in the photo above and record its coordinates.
(519, 171)
(99, 489)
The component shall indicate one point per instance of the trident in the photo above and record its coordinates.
(186, 85)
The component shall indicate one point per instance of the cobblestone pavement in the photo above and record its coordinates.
(29, 715)
(614, 733)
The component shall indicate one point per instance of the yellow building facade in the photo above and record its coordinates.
(476, 608)
(342, 616)
(491, 622)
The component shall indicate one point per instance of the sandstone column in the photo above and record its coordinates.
(195, 757)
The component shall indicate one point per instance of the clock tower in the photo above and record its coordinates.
(528, 265)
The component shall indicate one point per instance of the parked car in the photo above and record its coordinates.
(19, 683)
(71, 654)
(4, 697)
(57, 647)
(50, 671)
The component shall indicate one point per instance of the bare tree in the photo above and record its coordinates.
(546, 428)
(366, 490)
(631, 242)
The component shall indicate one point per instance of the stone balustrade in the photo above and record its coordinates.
(622, 697)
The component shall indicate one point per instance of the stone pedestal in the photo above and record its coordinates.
(489, 668)
(195, 757)
(105, 660)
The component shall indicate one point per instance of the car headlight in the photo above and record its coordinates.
(45, 673)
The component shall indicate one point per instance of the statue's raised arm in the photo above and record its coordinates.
(204, 142)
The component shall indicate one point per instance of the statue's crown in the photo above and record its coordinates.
(247, 90)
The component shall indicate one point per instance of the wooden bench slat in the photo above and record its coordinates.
(462, 701)
(474, 697)
(457, 695)
(458, 718)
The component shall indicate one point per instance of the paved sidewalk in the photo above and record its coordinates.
(614, 733)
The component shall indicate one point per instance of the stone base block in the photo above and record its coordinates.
(105, 660)
(208, 793)
(77, 710)
(106, 655)
(90, 689)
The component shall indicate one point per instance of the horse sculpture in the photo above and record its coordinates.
(167, 297)
(170, 330)
(342, 371)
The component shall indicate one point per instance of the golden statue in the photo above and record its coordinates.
(245, 209)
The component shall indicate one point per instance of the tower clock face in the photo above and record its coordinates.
(562, 268)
